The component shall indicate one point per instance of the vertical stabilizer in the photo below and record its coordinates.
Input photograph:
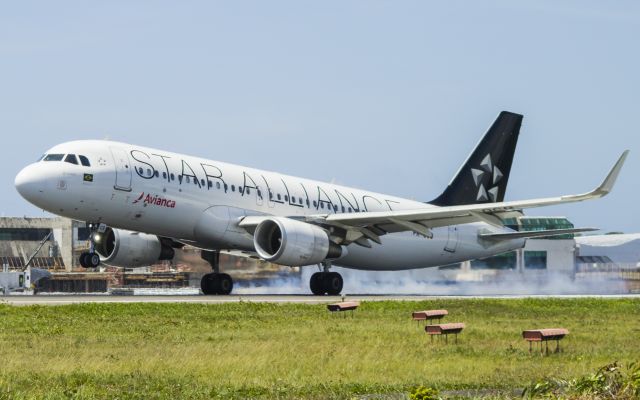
(484, 176)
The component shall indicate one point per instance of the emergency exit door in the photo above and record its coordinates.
(452, 240)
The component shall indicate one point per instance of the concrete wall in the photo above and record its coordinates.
(63, 232)
(560, 254)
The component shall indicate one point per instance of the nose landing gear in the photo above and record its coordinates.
(215, 282)
(91, 259)
(326, 282)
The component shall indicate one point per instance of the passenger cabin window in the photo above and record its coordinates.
(84, 161)
(71, 159)
(53, 157)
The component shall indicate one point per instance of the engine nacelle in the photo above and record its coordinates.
(122, 248)
(289, 242)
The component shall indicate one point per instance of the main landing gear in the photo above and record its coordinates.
(326, 282)
(215, 282)
(91, 259)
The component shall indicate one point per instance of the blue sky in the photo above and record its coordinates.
(383, 95)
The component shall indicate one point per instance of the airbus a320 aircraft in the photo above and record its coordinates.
(141, 203)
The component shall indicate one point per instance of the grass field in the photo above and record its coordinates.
(242, 350)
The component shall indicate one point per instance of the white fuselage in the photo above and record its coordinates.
(200, 202)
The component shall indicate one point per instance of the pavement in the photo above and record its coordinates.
(52, 300)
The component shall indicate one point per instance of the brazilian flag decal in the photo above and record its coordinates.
(88, 177)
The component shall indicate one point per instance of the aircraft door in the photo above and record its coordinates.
(123, 169)
(452, 240)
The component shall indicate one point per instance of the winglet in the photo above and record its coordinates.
(606, 186)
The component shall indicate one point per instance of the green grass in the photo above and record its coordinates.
(242, 350)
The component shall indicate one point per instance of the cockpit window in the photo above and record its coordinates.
(53, 157)
(85, 161)
(71, 158)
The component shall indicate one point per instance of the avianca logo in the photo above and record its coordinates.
(155, 201)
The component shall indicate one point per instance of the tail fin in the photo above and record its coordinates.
(483, 177)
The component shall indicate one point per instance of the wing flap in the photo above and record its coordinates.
(533, 234)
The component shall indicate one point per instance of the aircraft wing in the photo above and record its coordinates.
(364, 226)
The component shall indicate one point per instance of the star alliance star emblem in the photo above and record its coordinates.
(495, 175)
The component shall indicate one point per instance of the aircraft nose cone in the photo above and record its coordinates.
(27, 183)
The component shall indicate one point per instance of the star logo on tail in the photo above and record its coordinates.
(493, 174)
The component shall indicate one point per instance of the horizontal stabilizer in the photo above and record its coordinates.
(534, 234)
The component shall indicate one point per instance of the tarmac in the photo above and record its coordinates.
(53, 300)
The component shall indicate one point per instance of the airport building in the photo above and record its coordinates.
(60, 241)
(556, 253)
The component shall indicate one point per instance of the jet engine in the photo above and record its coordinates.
(122, 248)
(289, 242)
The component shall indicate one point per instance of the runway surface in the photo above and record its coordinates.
(52, 300)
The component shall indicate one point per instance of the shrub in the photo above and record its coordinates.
(610, 382)
(424, 393)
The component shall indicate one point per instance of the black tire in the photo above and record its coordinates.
(83, 260)
(92, 260)
(208, 284)
(316, 284)
(224, 284)
(333, 283)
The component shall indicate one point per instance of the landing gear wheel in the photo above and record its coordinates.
(208, 284)
(214, 283)
(83, 260)
(322, 283)
(89, 260)
(333, 283)
(225, 284)
(93, 260)
(316, 284)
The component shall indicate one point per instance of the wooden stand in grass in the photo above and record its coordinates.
(444, 329)
(344, 306)
(428, 315)
(545, 335)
